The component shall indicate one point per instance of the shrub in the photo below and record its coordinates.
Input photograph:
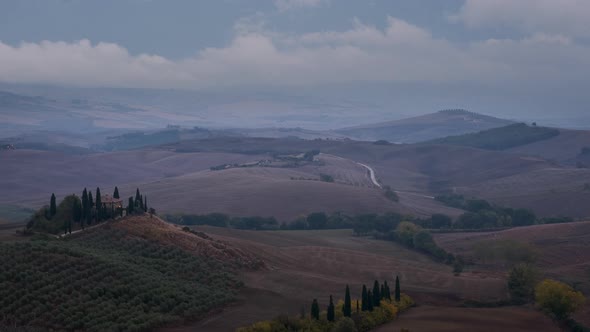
(558, 299)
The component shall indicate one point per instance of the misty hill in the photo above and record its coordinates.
(501, 138)
(425, 127)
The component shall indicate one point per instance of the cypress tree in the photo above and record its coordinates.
(130, 206)
(358, 309)
(52, 206)
(397, 289)
(90, 206)
(315, 309)
(145, 204)
(77, 211)
(331, 313)
(376, 295)
(84, 205)
(347, 308)
(116, 193)
(369, 301)
(137, 197)
(382, 292)
(364, 298)
(99, 207)
(387, 290)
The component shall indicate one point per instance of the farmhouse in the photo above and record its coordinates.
(111, 203)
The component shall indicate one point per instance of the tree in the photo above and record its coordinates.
(85, 208)
(387, 291)
(369, 301)
(521, 283)
(331, 313)
(317, 220)
(130, 206)
(557, 298)
(397, 289)
(315, 309)
(116, 193)
(52, 206)
(439, 220)
(137, 197)
(365, 299)
(145, 208)
(345, 324)
(99, 209)
(347, 308)
(90, 206)
(77, 211)
(376, 294)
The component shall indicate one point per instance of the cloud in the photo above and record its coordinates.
(284, 5)
(563, 17)
(399, 52)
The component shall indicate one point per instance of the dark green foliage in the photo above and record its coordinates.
(501, 138)
(521, 283)
(387, 294)
(85, 208)
(482, 214)
(116, 193)
(52, 206)
(364, 299)
(130, 206)
(458, 265)
(309, 155)
(145, 208)
(315, 309)
(390, 194)
(326, 177)
(331, 314)
(317, 220)
(99, 209)
(370, 301)
(66, 213)
(439, 221)
(376, 294)
(347, 308)
(397, 289)
(106, 281)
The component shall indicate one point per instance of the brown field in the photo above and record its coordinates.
(563, 251)
(563, 148)
(302, 265)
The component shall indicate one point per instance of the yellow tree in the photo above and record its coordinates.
(557, 298)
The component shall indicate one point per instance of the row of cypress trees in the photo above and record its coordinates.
(369, 300)
(87, 209)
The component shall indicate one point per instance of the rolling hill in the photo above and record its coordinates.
(425, 127)
(501, 138)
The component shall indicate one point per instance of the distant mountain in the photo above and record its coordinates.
(425, 127)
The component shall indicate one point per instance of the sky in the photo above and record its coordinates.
(536, 49)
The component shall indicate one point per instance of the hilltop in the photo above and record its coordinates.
(425, 127)
(137, 273)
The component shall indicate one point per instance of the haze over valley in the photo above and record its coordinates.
(294, 165)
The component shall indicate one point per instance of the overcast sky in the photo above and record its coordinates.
(533, 47)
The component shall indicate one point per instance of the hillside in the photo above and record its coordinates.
(425, 127)
(501, 138)
(562, 251)
(133, 274)
(314, 264)
(566, 148)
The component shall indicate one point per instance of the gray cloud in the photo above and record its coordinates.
(565, 17)
(400, 52)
